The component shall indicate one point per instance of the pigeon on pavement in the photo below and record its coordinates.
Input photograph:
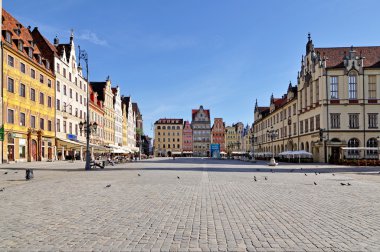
(177, 177)
(315, 183)
(109, 185)
(5, 173)
(348, 184)
(139, 174)
(266, 178)
(342, 184)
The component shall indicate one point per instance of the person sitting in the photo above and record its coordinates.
(111, 161)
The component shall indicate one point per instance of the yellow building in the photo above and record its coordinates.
(332, 113)
(233, 138)
(28, 96)
(168, 137)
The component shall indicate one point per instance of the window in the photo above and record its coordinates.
(76, 96)
(49, 101)
(353, 121)
(32, 94)
(49, 126)
(335, 120)
(317, 91)
(32, 73)
(372, 121)
(22, 67)
(352, 86)
(317, 122)
(81, 99)
(11, 85)
(11, 61)
(42, 99)
(8, 37)
(30, 52)
(49, 83)
(84, 87)
(58, 126)
(58, 68)
(312, 124)
(58, 86)
(294, 109)
(353, 143)
(70, 128)
(33, 121)
(71, 93)
(42, 123)
(64, 72)
(64, 127)
(372, 87)
(20, 45)
(334, 87)
(41, 78)
(22, 119)
(47, 65)
(372, 143)
(294, 128)
(11, 116)
(22, 90)
(69, 76)
(306, 125)
(301, 127)
(64, 90)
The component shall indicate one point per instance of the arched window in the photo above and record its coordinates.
(353, 143)
(158, 127)
(372, 142)
(302, 146)
(307, 146)
(163, 127)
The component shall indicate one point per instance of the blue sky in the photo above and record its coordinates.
(173, 55)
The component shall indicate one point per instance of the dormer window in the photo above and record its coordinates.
(47, 65)
(20, 45)
(17, 31)
(8, 37)
(39, 59)
(30, 52)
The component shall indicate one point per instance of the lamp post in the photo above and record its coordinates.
(251, 139)
(378, 147)
(272, 134)
(89, 128)
(83, 55)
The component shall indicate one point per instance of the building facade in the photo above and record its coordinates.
(139, 124)
(218, 133)
(234, 138)
(168, 137)
(187, 139)
(105, 94)
(201, 125)
(118, 116)
(338, 92)
(28, 95)
(131, 128)
(96, 115)
(71, 96)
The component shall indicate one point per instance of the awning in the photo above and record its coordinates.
(69, 144)
(126, 149)
(187, 152)
(119, 151)
(176, 153)
(135, 149)
(223, 153)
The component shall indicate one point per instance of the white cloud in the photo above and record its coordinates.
(91, 37)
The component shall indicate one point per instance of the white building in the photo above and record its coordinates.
(71, 97)
(131, 117)
(118, 116)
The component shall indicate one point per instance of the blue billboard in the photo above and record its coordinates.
(215, 150)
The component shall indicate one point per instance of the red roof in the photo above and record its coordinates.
(336, 55)
(195, 111)
(13, 26)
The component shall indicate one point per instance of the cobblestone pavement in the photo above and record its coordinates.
(212, 206)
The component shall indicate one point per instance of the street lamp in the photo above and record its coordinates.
(83, 55)
(378, 147)
(251, 139)
(272, 134)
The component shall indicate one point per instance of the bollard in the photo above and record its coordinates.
(29, 174)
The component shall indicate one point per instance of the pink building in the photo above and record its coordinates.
(187, 139)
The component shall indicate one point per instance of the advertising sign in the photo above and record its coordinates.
(215, 150)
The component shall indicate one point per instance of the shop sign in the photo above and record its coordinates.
(72, 137)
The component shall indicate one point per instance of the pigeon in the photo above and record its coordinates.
(139, 174)
(342, 184)
(2, 189)
(316, 173)
(265, 178)
(109, 185)
(348, 184)
(5, 173)
(177, 177)
(254, 178)
(305, 174)
(16, 172)
(315, 183)
(333, 174)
